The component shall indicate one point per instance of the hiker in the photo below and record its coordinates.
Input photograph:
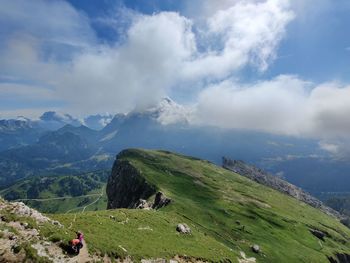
(80, 236)
(77, 243)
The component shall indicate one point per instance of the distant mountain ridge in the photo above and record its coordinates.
(264, 178)
(166, 125)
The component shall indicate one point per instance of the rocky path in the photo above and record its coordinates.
(83, 256)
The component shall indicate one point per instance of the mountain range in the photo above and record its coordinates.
(59, 143)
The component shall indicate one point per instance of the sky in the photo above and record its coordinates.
(277, 66)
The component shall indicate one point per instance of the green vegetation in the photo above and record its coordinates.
(144, 234)
(63, 193)
(227, 213)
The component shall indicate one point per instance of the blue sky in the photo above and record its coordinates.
(317, 45)
(277, 66)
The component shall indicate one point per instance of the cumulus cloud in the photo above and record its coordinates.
(273, 106)
(283, 105)
(329, 147)
(55, 51)
(160, 51)
(138, 72)
(56, 47)
(244, 32)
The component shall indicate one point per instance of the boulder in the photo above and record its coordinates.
(160, 201)
(256, 248)
(143, 204)
(183, 228)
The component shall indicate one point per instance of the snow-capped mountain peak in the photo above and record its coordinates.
(168, 112)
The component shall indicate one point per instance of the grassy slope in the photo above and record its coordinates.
(73, 187)
(211, 200)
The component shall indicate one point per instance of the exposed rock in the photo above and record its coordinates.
(143, 204)
(16, 237)
(21, 209)
(319, 234)
(183, 228)
(256, 248)
(160, 201)
(244, 258)
(55, 222)
(276, 183)
(340, 258)
(159, 260)
(126, 186)
(12, 237)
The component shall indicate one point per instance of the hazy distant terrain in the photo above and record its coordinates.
(76, 149)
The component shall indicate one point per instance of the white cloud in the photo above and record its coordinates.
(49, 21)
(329, 147)
(329, 109)
(138, 72)
(283, 105)
(244, 32)
(268, 105)
(56, 47)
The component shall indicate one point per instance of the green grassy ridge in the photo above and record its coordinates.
(212, 200)
(72, 187)
(144, 234)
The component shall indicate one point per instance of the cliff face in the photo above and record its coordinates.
(126, 186)
(276, 183)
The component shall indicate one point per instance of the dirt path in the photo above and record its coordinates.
(83, 256)
(100, 196)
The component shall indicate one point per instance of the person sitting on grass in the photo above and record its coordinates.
(77, 243)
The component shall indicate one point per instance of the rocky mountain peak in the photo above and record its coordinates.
(168, 112)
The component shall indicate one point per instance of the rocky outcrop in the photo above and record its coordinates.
(126, 186)
(183, 228)
(20, 239)
(160, 201)
(340, 258)
(20, 209)
(319, 234)
(276, 183)
(143, 204)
